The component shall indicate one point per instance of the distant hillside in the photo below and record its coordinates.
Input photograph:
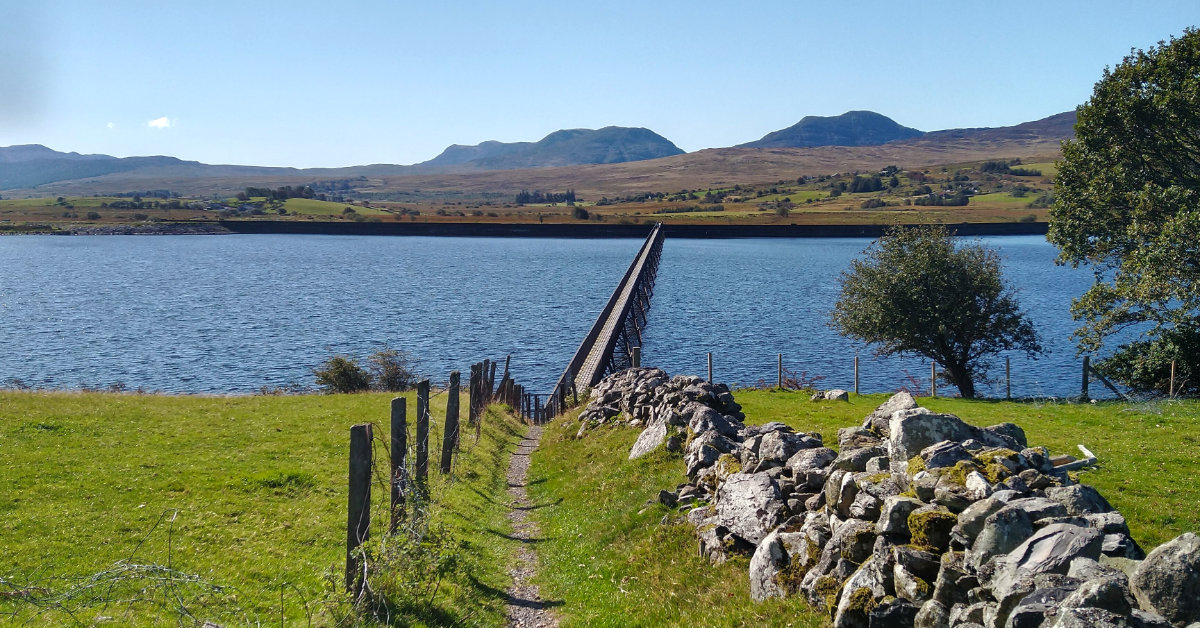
(570, 147)
(853, 128)
(1060, 125)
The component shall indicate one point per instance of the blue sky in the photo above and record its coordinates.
(307, 84)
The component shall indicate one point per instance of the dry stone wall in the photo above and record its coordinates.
(916, 519)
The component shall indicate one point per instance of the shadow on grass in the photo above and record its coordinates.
(495, 593)
(505, 535)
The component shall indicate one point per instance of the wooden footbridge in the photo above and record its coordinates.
(613, 340)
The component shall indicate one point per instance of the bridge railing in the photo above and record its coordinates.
(641, 270)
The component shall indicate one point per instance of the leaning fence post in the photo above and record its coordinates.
(637, 357)
(933, 379)
(450, 439)
(1087, 365)
(780, 369)
(358, 516)
(537, 409)
(422, 434)
(710, 367)
(399, 449)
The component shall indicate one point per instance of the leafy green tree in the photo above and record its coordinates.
(916, 293)
(1127, 204)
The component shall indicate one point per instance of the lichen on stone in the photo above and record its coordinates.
(925, 526)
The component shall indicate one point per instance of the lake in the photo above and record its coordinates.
(234, 314)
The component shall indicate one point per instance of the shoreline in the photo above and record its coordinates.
(516, 230)
(593, 230)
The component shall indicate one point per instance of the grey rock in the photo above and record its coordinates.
(701, 418)
(1039, 507)
(1087, 569)
(1009, 433)
(856, 459)
(1049, 550)
(961, 614)
(894, 613)
(1122, 545)
(704, 450)
(837, 394)
(879, 464)
(1145, 619)
(853, 540)
(650, 439)
(977, 486)
(948, 589)
(879, 420)
(1000, 534)
(1089, 618)
(894, 512)
(933, 614)
(769, 559)
(779, 446)
(1110, 594)
(944, 454)
(1079, 499)
(750, 505)
(1029, 616)
(911, 431)
(668, 498)
(971, 520)
(865, 506)
(1168, 580)
(870, 577)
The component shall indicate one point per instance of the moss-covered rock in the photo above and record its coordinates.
(931, 528)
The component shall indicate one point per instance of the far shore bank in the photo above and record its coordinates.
(512, 230)
(593, 230)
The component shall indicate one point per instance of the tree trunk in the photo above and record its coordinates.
(961, 377)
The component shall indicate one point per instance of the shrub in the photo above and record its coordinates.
(93, 215)
(393, 370)
(341, 374)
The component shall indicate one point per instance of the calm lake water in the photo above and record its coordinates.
(222, 314)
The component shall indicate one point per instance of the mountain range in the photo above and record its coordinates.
(36, 169)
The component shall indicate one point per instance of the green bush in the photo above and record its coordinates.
(341, 374)
(393, 370)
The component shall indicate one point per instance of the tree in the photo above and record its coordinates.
(1127, 204)
(916, 293)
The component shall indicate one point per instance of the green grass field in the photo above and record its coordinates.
(614, 557)
(242, 498)
(1003, 199)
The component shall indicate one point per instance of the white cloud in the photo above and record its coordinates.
(160, 123)
(111, 125)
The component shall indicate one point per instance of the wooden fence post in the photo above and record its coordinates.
(537, 409)
(637, 357)
(1087, 366)
(933, 380)
(473, 395)
(856, 373)
(399, 450)
(710, 367)
(491, 384)
(450, 437)
(1007, 377)
(423, 436)
(358, 515)
(1171, 390)
(780, 371)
